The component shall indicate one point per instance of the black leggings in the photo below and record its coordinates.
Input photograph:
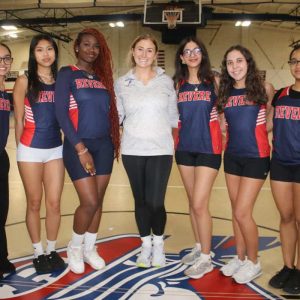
(148, 176)
(4, 195)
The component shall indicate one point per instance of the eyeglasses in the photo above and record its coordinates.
(189, 52)
(294, 62)
(7, 60)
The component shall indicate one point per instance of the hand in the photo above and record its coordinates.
(87, 163)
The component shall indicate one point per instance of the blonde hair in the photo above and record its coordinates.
(141, 37)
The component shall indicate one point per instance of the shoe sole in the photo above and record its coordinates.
(159, 266)
(200, 275)
(141, 265)
(92, 266)
(247, 281)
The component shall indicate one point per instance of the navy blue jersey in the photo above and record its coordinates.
(4, 119)
(41, 129)
(82, 105)
(246, 126)
(286, 126)
(199, 129)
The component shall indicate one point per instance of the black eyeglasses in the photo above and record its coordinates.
(294, 62)
(7, 60)
(189, 52)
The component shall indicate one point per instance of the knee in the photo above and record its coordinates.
(241, 215)
(199, 209)
(158, 208)
(90, 205)
(288, 217)
(53, 207)
(34, 205)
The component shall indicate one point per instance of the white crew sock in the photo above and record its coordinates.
(50, 246)
(89, 241)
(77, 239)
(38, 249)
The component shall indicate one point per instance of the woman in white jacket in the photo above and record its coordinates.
(147, 109)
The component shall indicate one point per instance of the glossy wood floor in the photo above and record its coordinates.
(118, 219)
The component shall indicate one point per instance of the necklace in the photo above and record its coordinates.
(196, 86)
(86, 73)
(45, 78)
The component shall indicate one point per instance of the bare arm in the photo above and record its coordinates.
(19, 94)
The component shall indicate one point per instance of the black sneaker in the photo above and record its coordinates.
(56, 262)
(292, 286)
(7, 267)
(279, 280)
(42, 265)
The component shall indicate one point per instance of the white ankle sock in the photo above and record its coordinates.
(38, 249)
(205, 256)
(89, 241)
(158, 239)
(77, 239)
(198, 246)
(146, 240)
(50, 246)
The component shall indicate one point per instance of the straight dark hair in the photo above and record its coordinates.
(34, 83)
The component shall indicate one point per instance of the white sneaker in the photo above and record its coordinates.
(158, 255)
(199, 268)
(75, 259)
(94, 259)
(232, 266)
(144, 258)
(247, 272)
(190, 258)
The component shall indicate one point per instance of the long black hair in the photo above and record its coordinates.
(34, 84)
(255, 90)
(205, 73)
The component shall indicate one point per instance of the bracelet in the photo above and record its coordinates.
(85, 150)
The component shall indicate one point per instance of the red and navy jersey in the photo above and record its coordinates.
(82, 105)
(41, 129)
(246, 126)
(199, 125)
(4, 119)
(286, 126)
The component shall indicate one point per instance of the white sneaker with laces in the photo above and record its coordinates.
(144, 258)
(92, 258)
(190, 258)
(232, 266)
(158, 255)
(75, 259)
(199, 268)
(247, 272)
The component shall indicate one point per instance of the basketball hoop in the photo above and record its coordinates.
(172, 17)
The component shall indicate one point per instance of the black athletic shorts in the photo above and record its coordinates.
(247, 167)
(193, 159)
(287, 173)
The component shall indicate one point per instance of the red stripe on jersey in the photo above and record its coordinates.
(215, 132)
(29, 125)
(176, 134)
(261, 134)
(73, 112)
(284, 92)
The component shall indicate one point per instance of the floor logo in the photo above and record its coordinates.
(121, 279)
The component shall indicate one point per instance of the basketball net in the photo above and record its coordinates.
(172, 16)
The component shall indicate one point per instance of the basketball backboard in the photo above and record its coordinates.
(164, 12)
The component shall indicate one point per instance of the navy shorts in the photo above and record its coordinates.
(194, 159)
(286, 173)
(255, 167)
(102, 151)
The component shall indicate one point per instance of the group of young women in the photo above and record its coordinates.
(82, 101)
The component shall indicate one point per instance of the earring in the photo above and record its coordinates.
(76, 50)
(183, 62)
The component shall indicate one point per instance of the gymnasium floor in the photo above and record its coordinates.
(119, 244)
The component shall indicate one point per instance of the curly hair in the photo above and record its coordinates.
(205, 73)
(34, 84)
(255, 90)
(102, 67)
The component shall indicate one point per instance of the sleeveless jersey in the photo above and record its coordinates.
(41, 129)
(286, 126)
(4, 119)
(199, 128)
(246, 126)
(82, 105)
